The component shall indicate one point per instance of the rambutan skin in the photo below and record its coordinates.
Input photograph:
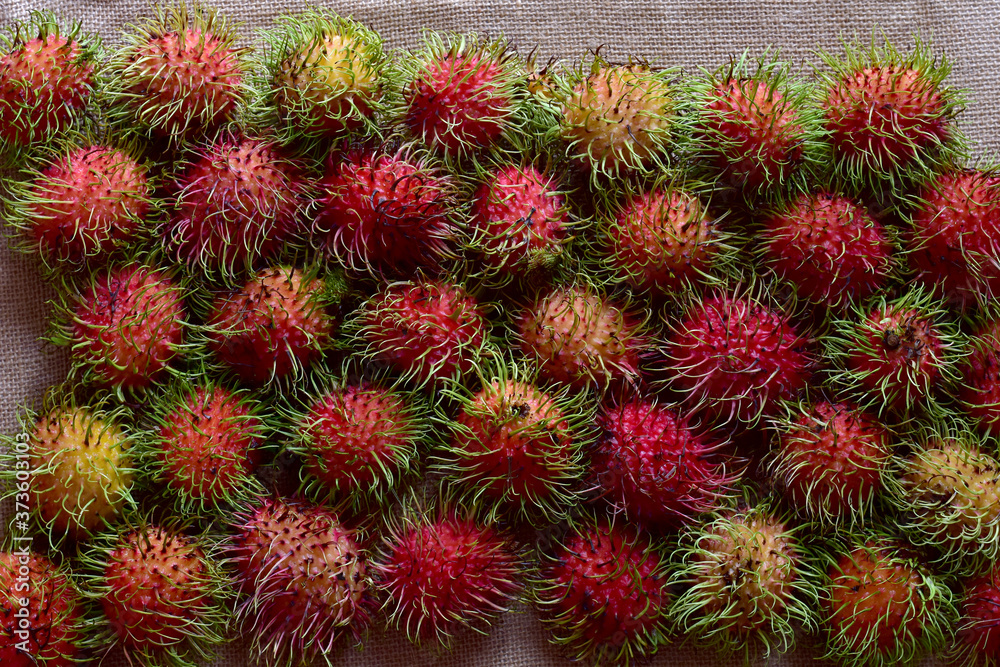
(954, 237)
(656, 465)
(178, 75)
(128, 325)
(357, 439)
(304, 579)
(736, 357)
(829, 248)
(55, 613)
(978, 634)
(603, 594)
(46, 80)
(617, 119)
(461, 95)
(664, 239)
(205, 446)
(519, 220)
(447, 573)
(830, 460)
(582, 338)
(156, 590)
(385, 213)
(430, 331)
(979, 389)
(882, 607)
(327, 74)
(516, 448)
(237, 202)
(276, 326)
(82, 205)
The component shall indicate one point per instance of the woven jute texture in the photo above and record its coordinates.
(685, 33)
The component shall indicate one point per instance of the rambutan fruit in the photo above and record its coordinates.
(204, 445)
(304, 581)
(516, 447)
(892, 355)
(979, 386)
(47, 75)
(442, 571)
(755, 123)
(72, 463)
(888, 114)
(238, 200)
(461, 94)
(356, 439)
(948, 498)
(157, 595)
(520, 221)
(736, 357)
(325, 74)
(830, 461)
(665, 238)
(880, 606)
(385, 212)
(41, 612)
(277, 325)
(977, 640)
(582, 337)
(829, 248)
(124, 326)
(747, 583)
(617, 119)
(603, 593)
(80, 203)
(178, 75)
(657, 465)
(429, 331)
(954, 237)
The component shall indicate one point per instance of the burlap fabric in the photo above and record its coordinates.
(675, 32)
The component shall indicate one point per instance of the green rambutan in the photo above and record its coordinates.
(748, 584)
(72, 461)
(948, 498)
(617, 119)
(326, 75)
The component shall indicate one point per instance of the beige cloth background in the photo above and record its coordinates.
(676, 32)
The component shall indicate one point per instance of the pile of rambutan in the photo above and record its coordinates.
(368, 341)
